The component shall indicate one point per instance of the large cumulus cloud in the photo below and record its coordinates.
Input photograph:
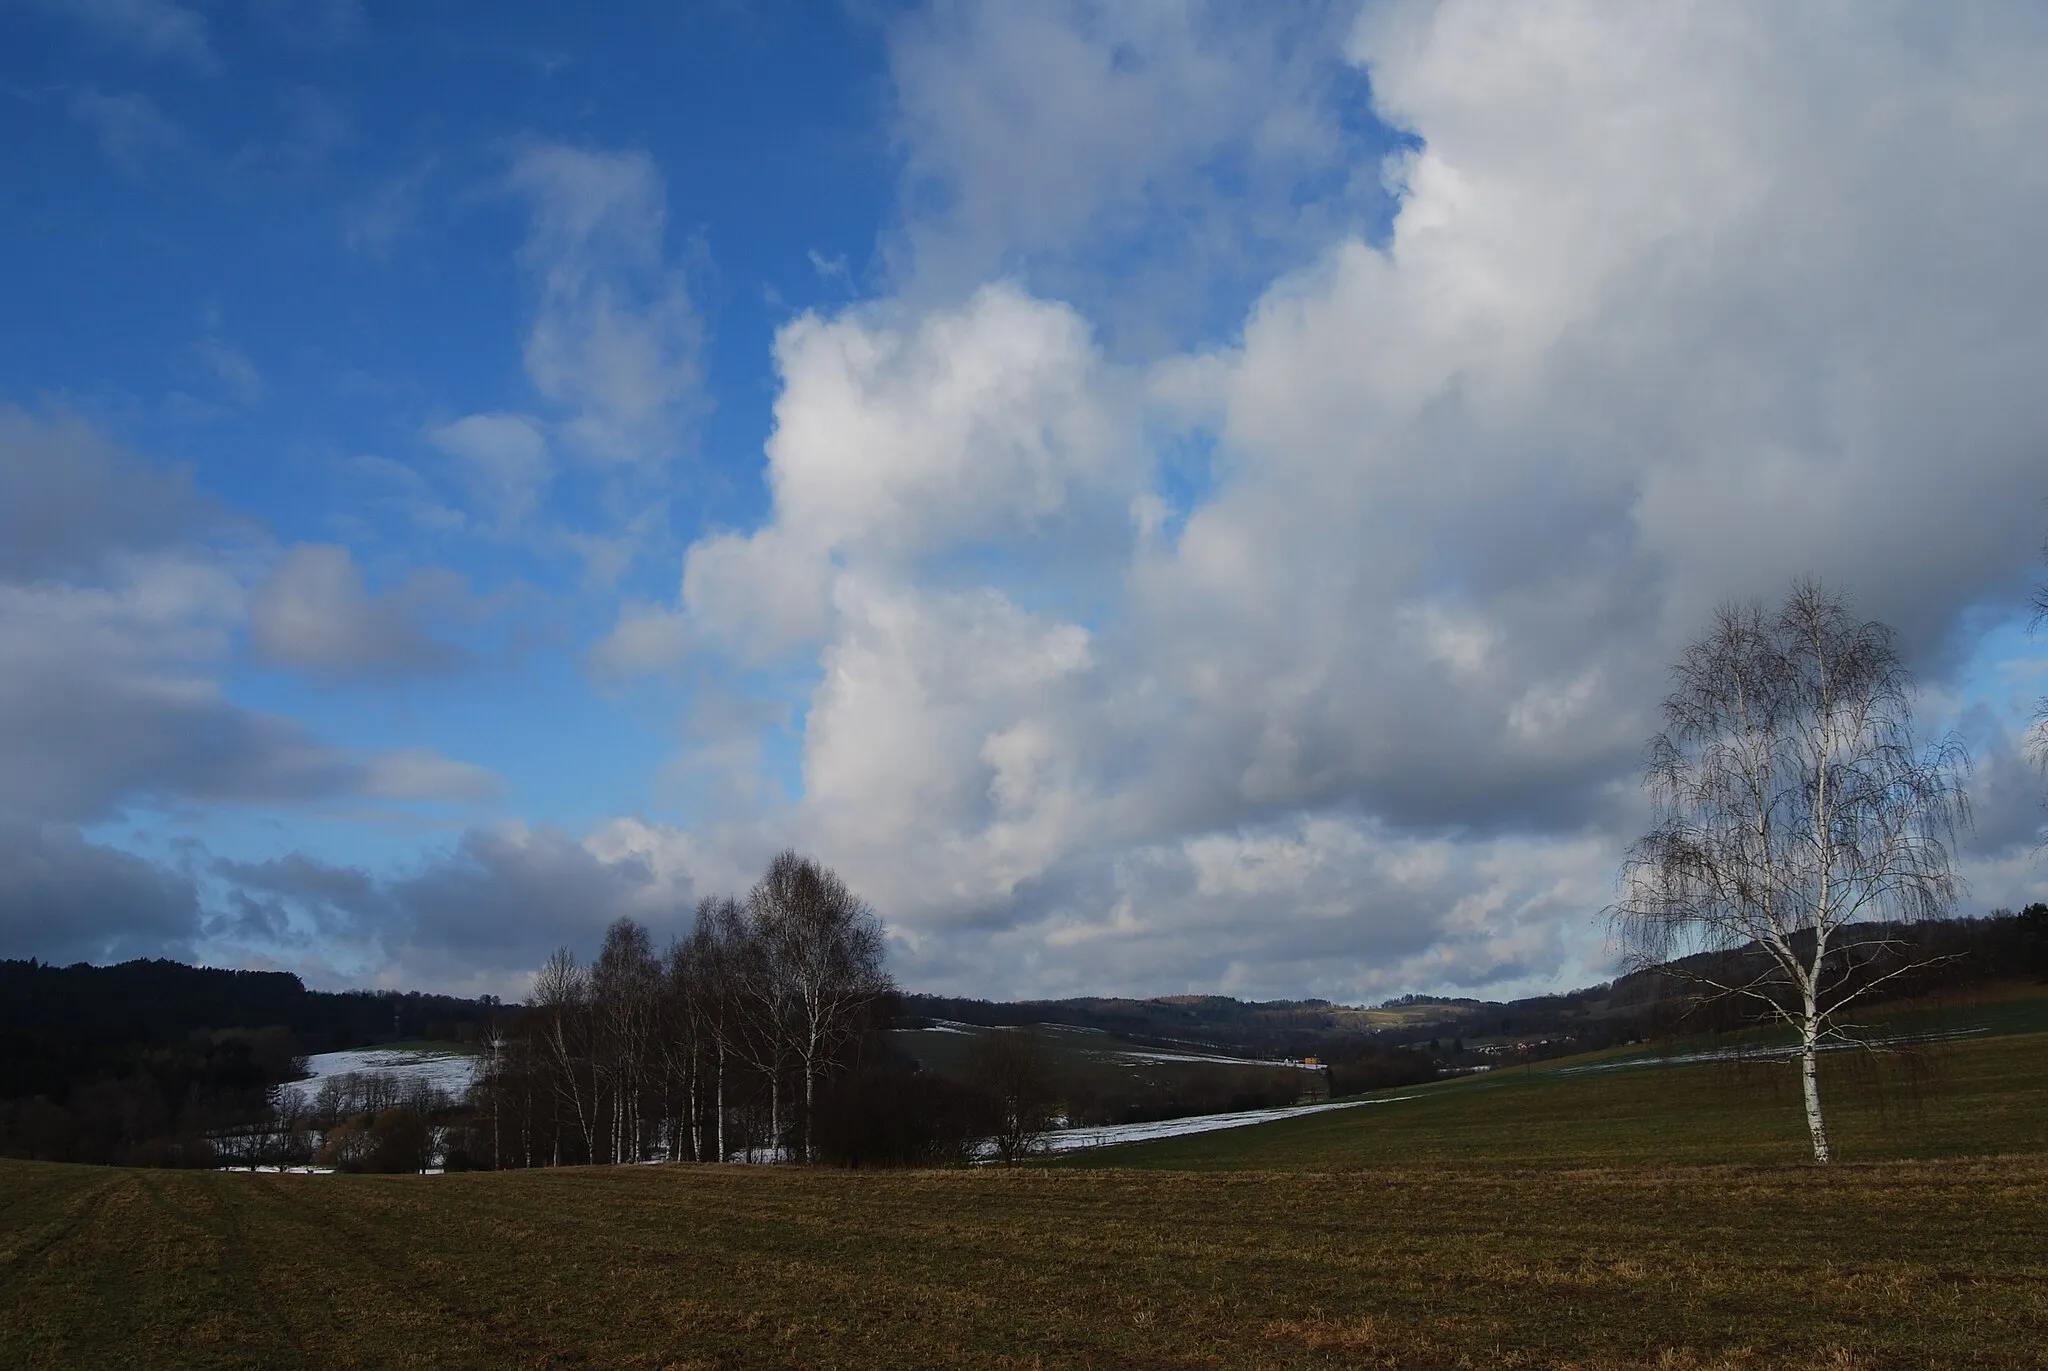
(1326, 656)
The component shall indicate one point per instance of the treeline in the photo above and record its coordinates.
(156, 1001)
(149, 1062)
(136, 1104)
(715, 1047)
(1260, 1028)
(1919, 961)
(1879, 963)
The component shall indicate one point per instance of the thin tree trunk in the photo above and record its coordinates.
(696, 1108)
(1809, 1083)
(808, 1079)
(693, 1112)
(721, 1104)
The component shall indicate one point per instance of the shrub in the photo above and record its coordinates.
(893, 1117)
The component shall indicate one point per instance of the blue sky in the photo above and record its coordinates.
(1167, 497)
(281, 251)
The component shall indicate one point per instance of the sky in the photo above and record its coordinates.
(1163, 497)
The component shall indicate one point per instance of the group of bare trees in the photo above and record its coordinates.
(713, 1047)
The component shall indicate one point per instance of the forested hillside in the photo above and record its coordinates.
(139, 1062)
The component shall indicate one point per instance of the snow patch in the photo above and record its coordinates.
(449, 1071)
(1109, 1135)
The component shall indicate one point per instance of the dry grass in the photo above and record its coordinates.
(1884, 1265)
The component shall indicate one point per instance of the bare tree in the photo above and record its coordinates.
(763, 1014)
(694, 1034)
(492, 1091)
(824, 947)
(625, 985)
(1792, 801)
(716, 948)
(1009, 1068)
(679, 1048)
(561, 1001)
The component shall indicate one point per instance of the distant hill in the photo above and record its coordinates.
(1645, 1005)
(157, 1001)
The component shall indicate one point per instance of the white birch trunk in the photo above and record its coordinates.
(1809, 1084)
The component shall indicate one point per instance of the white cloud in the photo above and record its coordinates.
(133, 132)
(75, 501)
(319, 25)
(504, 460)
(398, 486)
(231, 370)
(422, 774)
(1153, 162)
(122, 596)
(316, 613)
(373, 223)
(1680, 302)
(155, 28)
(647, 638)
(615, 338)
(986, 424)
(110, 695)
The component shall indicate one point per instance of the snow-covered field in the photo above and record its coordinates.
(449, 1071)
(1106, 1135)
(1140, 1058)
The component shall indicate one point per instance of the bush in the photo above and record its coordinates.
(182, 1150)
(1372, 1067)
(893, 1117)
(393, 1141)
(1010, 1070)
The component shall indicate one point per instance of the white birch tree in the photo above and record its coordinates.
(824, 947)
(625, 984)
(561, 999)
(1792, 802)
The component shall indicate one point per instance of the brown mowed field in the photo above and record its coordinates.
(1908, 1264)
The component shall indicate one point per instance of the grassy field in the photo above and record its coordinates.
(1653, 1217)
(1980, 1097)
